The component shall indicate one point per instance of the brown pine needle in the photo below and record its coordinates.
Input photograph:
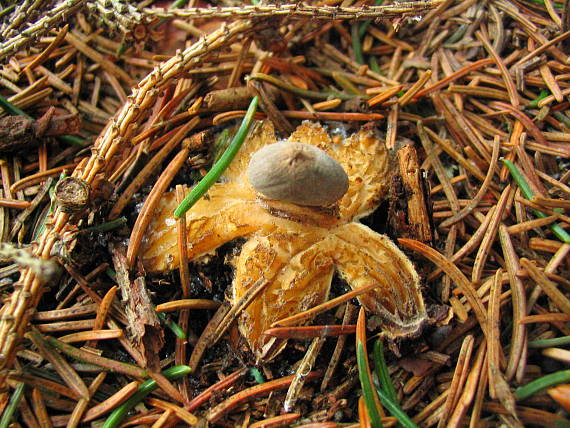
(61, 366)
(310, 332)
(281, 420)
(415, 88)
(145, 216)
(516, 357)
(458, 381)
(548, 317)
(181, 413)
(92, 335)
(450, 269)
(509, 84)
(295, 319)
(550, 288)
(482, 190)
(251, 393)
(176, 305)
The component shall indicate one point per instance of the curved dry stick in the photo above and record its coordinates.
(147, 212)
(297, 10)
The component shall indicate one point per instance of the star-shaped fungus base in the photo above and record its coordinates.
(295, 249)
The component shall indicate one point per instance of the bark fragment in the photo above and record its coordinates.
(144, 326)
(21, 132)
(409, 214)
(72, 194)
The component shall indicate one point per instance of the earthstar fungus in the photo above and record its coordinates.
(295, 248)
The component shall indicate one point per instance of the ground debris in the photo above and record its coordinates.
(136, 102)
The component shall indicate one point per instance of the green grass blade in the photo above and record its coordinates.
(357, 44)
(174, 327)
(106, 227)
(527, 193)
(541, 2)
(12, 406)
(145, 388)
(519, 179)
(220, 166)
(387, 392)
(395, 410)
(373, 64)
(382, 371)
(256, 374)
(368, 390)
(547, 343)
(11, 108)
(541, 383)
(534, 103)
